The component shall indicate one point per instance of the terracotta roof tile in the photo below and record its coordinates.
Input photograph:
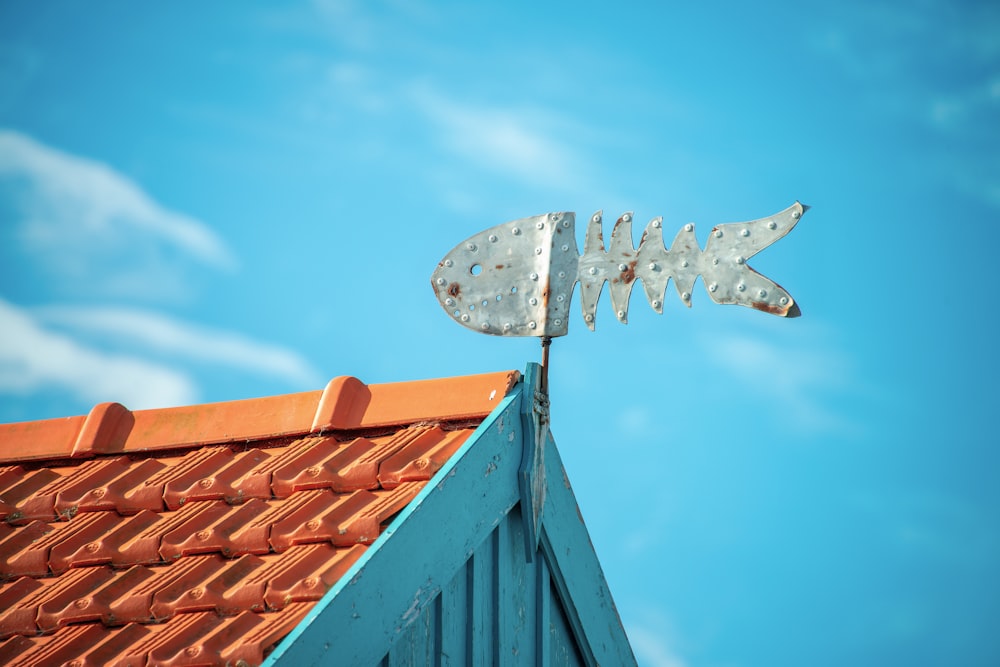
(204, 534)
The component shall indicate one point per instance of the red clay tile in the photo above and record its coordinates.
(218, 423)
(119, 592)
(346, 467)
(9, 476)
(21, 554)
(67, 599)
(12, 498)
(349, 404)
(307, 466)
(193, 466)
(280, 510)
(88, 477)
(108, 646)
(253, 643)
(87, 483)
(104, 431)
(13, 647)
(195, 470)
(64, 646)
(348, 520)
(18, 607)
(81, 538)
(226, 482)
(250, 531)
(48, 438)
(217, 588)
(422, 456)
(225, 636)
(219, 527)
(172, 644)
(116, 542)
(318, 519)
(306, 572)
(171, 521)
(256, 483)
(169, 581)
(365, 526)
(342, 405)
(292, 459)
(106, 487)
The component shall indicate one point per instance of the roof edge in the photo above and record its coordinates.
(346, 403)
(482, 478)
(365, 624)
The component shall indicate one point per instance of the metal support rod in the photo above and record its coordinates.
(543, 381)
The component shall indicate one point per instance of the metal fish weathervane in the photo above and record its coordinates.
(517, 279)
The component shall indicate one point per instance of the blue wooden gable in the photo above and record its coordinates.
(490, 564)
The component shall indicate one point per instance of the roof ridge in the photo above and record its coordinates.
(346, 403)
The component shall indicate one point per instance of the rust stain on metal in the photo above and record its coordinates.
(529, 247)
(767, 307)
(628, 275)
(786, 311)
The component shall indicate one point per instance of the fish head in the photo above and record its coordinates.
(515, 279)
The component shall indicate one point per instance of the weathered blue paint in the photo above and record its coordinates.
(576, 573)
(448, 584)
(531, 476)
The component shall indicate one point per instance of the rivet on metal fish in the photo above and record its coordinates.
(517, 279)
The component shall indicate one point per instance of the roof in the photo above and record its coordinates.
(173, 535)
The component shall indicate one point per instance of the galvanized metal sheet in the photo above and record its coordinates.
(517, 279)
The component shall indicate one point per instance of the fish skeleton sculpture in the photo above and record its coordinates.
(517, 279)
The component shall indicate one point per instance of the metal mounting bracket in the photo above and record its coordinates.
(531, 475)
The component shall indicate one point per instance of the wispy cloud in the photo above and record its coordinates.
(794, 379)
(653, 641)
(522, 144)
(75, 213)
(154, 332)
(89, 225)
(33, 358)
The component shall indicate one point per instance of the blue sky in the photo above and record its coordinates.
(244, 199)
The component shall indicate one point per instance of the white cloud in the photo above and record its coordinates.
(653, 648)
(792, 380)
(33, 358)
(520, 144)
(158, 333)
(76, 213)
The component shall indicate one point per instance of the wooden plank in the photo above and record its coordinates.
(576, 573)
(454, 622)
(373, 603)
(417, 647)
(543, 605)
(564, 649)
(517, 595)
(482, 635)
